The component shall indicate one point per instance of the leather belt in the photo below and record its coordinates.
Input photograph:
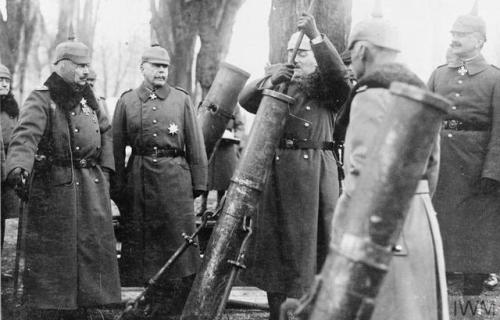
(458, 125)
(307, 144)
(75, 163)
(158, 152)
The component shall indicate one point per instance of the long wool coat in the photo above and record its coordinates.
(9, 114)
(70, 245)
(469, 220)
(415, 283)
(292, 226)
(155, 194)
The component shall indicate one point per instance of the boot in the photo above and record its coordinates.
(275, 299)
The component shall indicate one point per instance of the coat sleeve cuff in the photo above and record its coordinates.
(199, 176)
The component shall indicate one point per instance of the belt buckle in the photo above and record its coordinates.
(83, 163)
(290, 143)
(453, 124)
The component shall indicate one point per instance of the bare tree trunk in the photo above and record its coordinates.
(333, 18)
(86, 22)
(178, 23)
(16, 30)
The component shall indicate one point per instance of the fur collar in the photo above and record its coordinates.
(67, 96)
(313, 86)
(380, 77)
(9, 105)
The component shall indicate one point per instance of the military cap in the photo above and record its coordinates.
(73, 50)
(377, 31)
(469, 23)
(4, 72)
(304, 45)
(92, 75)
(156, 54)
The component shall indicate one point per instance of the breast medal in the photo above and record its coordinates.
(173, 129)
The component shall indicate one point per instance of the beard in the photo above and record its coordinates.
(312, 85)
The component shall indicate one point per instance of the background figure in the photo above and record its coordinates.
(9, 113)
(223, 162)
(62, 148)
(155, 191)
(293, 223)
(91, 80)
(467, 197)
(412, 288)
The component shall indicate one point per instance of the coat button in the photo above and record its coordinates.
(96, 180)
(76, 130)
(155, 134)
(77, 183)
(155, 121)
(154, 108)
(306, 156)
(457, 94)
(307, 124)
(308, 108)
(453, 107)
(77, 148)
(155, 160)
(73, 113)
(277, 158)
(460, 82)
(450, 135)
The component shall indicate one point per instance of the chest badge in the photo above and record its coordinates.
(173, 129)
(152, 96)
(85, 107)
(462, 70)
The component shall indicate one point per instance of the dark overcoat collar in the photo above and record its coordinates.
(67, 96)
(145, 92)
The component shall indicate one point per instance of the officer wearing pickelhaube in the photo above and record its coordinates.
(412, 288)
(467, 197)
(62, 149)
(9, 113)
(155, 189)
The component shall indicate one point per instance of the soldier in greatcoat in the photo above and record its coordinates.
(62, 149)
(293, 222)
(223, 162)
(467, 197)
(155, 190)
(414, 287)
(9, 113)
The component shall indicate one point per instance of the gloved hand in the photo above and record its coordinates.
(197, 193)
(487, 185)
(18, 180)
(307, 24)
(280, 72)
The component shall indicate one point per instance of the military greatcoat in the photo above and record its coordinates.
(63, 139)
(415, 283)
(293, 222)
(8, 116)
(155, 191)
(470, 150)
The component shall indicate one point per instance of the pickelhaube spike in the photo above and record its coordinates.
(475, 8)
(71, 32)
(377, 9)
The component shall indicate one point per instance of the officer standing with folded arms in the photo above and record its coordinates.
(155, 190)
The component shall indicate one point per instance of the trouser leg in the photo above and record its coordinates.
(275, 299)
